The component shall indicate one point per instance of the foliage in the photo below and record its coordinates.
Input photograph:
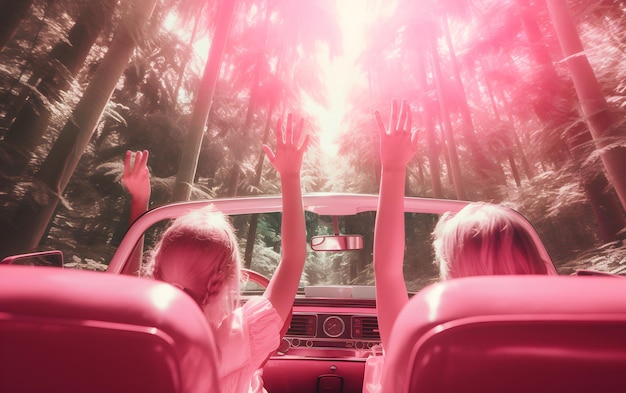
(499, 61)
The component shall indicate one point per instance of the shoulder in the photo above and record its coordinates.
(262, 324)
(259, 309)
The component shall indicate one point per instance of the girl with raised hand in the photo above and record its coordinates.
(481, 239)
(398, 144)
(199, 254)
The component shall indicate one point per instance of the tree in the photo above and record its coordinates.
(608, 133)
(66, 59)
(454, 166)
(33, 216)
(12, 14)
(482, 165)
(283, 41)
(280, 39)
(202, 107)
(428, 114)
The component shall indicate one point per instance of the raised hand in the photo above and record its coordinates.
(398, 143)
(136, 178)
(288, 157)
(287, 160)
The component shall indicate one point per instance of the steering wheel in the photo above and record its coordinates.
(263, 281)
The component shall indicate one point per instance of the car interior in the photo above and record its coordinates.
(453, 137)
(91, 331)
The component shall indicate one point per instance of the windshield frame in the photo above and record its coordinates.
(319, 203)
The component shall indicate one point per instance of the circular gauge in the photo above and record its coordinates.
(334, 326)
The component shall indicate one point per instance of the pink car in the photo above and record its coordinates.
(65, 330)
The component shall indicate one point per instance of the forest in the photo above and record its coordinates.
(520, 102)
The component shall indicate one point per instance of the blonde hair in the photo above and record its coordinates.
(486, 239)
(199, 254)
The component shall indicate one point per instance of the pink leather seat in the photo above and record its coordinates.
(70, 331)
(511, 334)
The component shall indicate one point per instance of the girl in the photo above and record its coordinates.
(481, 239)
(199, 254)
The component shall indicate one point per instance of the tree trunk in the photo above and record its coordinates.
(32, 121)
(33, 216)
(13, 11)
(16, 102)
(602, 123)
(530, 172)
(514, 170)
(187, 56)
(509, 148)
(484, 167)
(235, 172)
(202, 107)
(604, 203)
(454, 166)
(254, 220)
(427, 120)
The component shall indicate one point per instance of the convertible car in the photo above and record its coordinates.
(68, 330)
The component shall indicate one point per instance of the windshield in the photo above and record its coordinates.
(343, 267)
(259, 238)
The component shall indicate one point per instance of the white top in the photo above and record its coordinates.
(254, 334)
(373, 376)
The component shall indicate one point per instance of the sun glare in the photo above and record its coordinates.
(341, 73)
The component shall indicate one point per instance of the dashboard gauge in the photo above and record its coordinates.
(334, 326)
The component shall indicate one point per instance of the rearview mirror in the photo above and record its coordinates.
(44, 258)
(337, 243)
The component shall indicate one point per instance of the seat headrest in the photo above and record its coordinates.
(68, 330)
(511, 333)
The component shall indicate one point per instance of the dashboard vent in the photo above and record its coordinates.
(302, 325)
(365, 328)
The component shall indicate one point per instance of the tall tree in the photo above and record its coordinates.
(187, 55)
(202, 107)
(288, 36)
(66, 59)
(12, 13)
(428, 107)
(482, 165)
(252, 69)
(517, 60)
(608, 133)
(296, 23)
(454, 165)
(33, 215)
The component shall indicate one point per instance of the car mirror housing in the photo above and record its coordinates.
(337, 242)
(44, 258)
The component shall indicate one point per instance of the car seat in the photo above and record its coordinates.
(64, 330)
(511, 334)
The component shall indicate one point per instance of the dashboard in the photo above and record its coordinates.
(325, 347)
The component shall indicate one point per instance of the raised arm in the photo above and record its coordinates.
(287, 161)
(136, 180)
(397, 147)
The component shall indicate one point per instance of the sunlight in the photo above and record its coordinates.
(201, 49)
(341, 73)
(201, 45)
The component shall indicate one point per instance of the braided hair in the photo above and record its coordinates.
(199, 254)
